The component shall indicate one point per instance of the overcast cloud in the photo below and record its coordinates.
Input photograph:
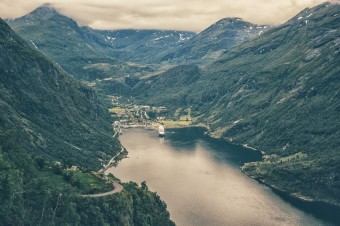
(194, 15)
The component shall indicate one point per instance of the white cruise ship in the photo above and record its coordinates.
(161, 131)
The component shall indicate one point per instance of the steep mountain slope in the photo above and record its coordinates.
(278, 93)
(213, 41)
(171, 88)
(47, 116)
(48, 112)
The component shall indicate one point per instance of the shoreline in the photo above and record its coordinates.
(276, 189)
(299, 200)
(156, 127)
(279, 191)
(322, 209)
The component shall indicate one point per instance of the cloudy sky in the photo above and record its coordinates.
(194, 15)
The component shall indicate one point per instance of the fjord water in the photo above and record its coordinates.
(200, 180)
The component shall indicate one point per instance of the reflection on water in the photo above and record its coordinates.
(200, 180)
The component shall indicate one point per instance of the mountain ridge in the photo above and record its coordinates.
(210, 43)
(145, 47)
(88, 53)
(61, 39)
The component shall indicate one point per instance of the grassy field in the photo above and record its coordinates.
(264, 168)
(91, 182)
(273, 159)
(171, 124)
(117, 110)
(298, 155)
(87, 182)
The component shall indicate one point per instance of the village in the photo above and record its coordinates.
(130, 115)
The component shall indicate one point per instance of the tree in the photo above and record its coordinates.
(144, 186)
(40, 162)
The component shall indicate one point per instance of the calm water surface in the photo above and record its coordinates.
(200, 180)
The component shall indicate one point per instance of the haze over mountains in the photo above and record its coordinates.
(275, 89)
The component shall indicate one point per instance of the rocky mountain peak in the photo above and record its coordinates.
(230, 20)
(44, 10)
(43, 13)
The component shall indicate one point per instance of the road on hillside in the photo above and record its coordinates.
(118, 188)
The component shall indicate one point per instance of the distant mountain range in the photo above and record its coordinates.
(140, 46)
(89, 53)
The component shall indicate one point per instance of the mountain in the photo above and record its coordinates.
(49, 113)
(110, 59)
(213, 41)
(88, 53)
(49, 122)
(181, 48)
(171, 88)
(62, 40)
(277, 93)
(142, 46)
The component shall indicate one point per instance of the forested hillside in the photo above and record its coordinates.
(35, 192)
(46, 111)
(49, 122)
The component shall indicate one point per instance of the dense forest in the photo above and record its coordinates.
(34, 191)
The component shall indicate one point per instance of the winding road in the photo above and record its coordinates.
(118, 188)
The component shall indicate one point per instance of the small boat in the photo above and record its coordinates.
(161, 131)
